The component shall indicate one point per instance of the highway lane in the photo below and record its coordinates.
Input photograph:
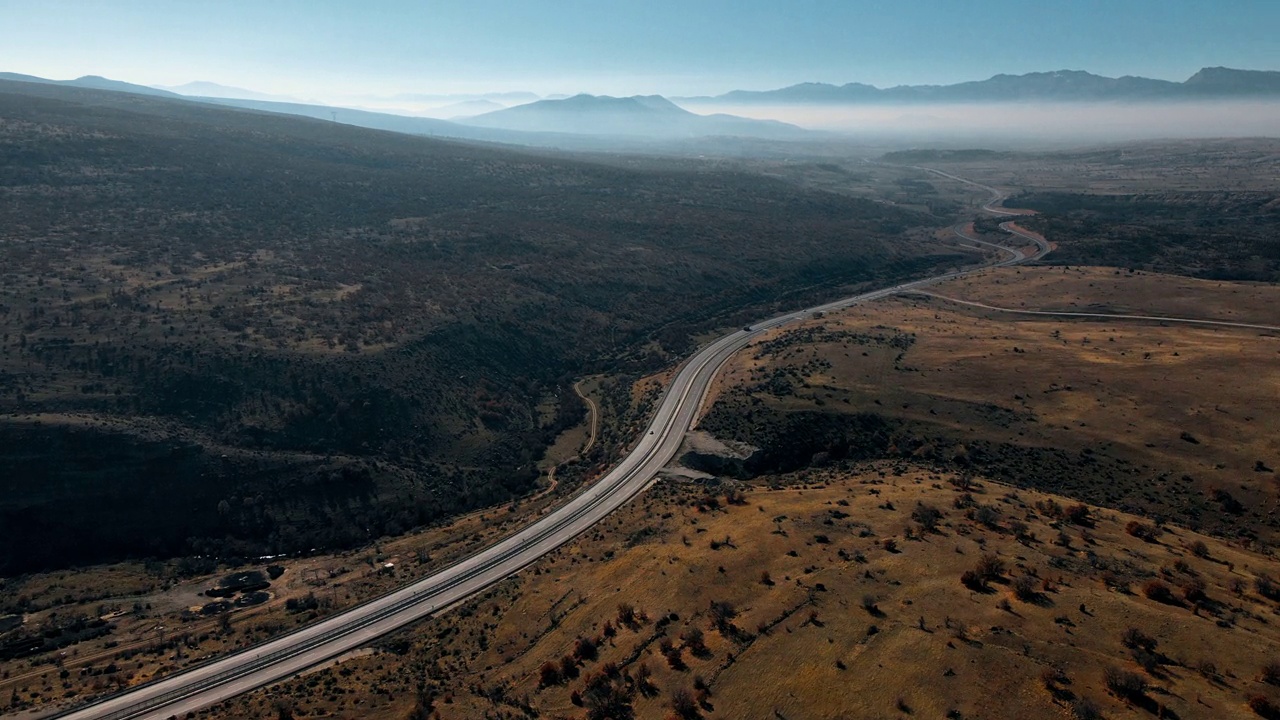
(289, 654)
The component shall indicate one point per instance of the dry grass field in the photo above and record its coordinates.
(959, 577)
(836, 594)
(828, 591)
(1173, 421)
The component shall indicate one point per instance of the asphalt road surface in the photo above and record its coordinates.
(289, 654)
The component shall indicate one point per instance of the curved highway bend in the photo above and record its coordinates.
(287, 655)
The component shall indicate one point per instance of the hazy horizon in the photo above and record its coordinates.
(329, 51)
(1061, 121)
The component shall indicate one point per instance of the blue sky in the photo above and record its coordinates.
(326, 48)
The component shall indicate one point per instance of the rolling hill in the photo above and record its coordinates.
(640, 115)
(585, 123)
(229, 332)
(201, 88)
(93, 82)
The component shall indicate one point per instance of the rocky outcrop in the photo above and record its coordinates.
(704, 452)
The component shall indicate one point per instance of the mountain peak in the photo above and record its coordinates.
(637, 115)
(1222, 80)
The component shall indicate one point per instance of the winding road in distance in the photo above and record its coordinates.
(231, 675)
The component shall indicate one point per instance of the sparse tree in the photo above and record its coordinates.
(1124, 684)
(1158, 591)
(585, 649)
(1082, 708)
(694, 639)
(607, 699)
(549, 675)
(1078, 515)
(1024, 588)
(1135, 638)
(990, 567)
(927, 516)
(683, 704)
(1263, 707)
(722, 615)
(1266, 587)
(973, 580)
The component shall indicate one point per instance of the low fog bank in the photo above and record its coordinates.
(1023, 122)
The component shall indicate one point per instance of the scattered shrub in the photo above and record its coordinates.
(927, 516)
(1158, 591)
(1264, 708)
(607, 699)
(1227, 501)
(1266, 587)
(973, 580)
(1125, 684)
(549, 675)
(626, 614)
(986, 515)
(722, 615)
(1135, 638)
(568, 668)
(1024, 588)
(1142, 531)
(683, 704)
(1085, 709)
(1078, 515)
(990, 567)
(1194, 591)
(870, 604)
(695, 640)
(585, 649)
(1051, 677)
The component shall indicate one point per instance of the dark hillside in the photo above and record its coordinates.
(226, 332)
(1214, 235)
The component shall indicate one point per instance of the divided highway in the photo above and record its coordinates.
(287, 655)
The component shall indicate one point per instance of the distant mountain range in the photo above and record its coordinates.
(591, 122)
(93, 82)
(583, 122)
(571, 122)
(640, 115)
(1059, 86)
(202, 88)
(500, 98)
(469, 108)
